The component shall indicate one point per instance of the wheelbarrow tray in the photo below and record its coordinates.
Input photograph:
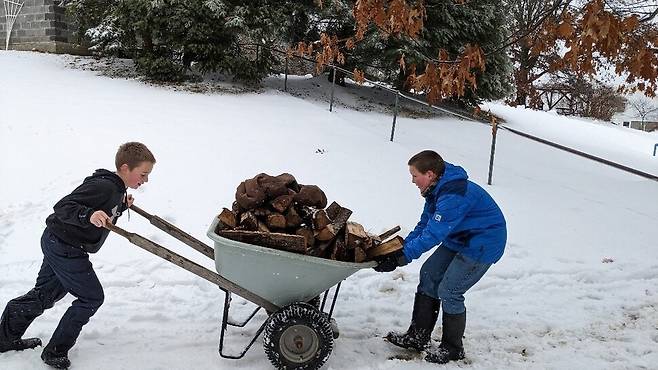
(279, 276)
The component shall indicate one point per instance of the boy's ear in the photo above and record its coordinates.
(124, 168)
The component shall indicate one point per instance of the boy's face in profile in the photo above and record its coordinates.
(137, 176)
(422, 180)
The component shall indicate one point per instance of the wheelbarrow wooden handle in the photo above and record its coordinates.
(177, 233)
(192, 267)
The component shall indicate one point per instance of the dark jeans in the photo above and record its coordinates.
(65, 269)
(447, 275)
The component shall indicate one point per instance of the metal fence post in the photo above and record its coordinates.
(395, 113)
(333, 86)
(285, 79)
(494, 130)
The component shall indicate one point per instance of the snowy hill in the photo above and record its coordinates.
(550, 303)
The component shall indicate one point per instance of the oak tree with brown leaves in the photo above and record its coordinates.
(547, 36)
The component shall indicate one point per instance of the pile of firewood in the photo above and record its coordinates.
(278, 212)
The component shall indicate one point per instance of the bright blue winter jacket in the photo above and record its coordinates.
(462, 216)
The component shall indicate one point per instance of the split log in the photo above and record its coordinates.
(312, 196)
(290, 181)
(386, 247)
(237, 208)
(359, 255)
(385, 235)
(306, 213)
(272, 186)
(282, 202)
(331, 230)
(291, 243)
(227, 220)
(356, 236)
(276, 221)
(321, 249)
(261, 212)
(308, 236)
(292, 218)
(249, 221)
(338, 250)
(320, 219)
(262, 227)
(249, 199)
(333, 210)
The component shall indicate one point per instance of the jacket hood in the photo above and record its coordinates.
(108, 175)
(451, 173)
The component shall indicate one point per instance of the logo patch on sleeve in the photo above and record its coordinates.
(437, 217)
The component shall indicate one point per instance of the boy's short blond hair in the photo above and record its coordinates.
(132, 154)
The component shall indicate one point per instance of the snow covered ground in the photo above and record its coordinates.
(552, 302)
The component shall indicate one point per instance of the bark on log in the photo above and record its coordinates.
(333, 210)
(339, 252)
(385, 235)
(291, 243)
(246, 200)
(289, 180)
(272, 186)
(312, 196)
(386, 247)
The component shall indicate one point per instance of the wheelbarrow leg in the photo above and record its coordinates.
(226, 322)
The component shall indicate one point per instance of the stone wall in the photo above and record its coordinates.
(42, 26)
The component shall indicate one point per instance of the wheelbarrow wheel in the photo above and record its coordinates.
(298, 336)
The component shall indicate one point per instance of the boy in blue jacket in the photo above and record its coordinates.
(470, 230)
(74, 230)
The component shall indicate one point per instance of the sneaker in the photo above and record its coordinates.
(55, 360)
(20, 344)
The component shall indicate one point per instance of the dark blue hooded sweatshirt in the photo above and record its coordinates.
(104, 190)
(462, 216)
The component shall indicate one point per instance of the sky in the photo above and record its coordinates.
(576, 287)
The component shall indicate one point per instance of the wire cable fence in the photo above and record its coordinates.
(494, 125)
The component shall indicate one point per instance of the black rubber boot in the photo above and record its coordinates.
(423, 319)
(451, 347)
(54, 359)
(19, 344)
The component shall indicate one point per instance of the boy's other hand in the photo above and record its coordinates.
(129, 200)
(391, 261)
(99, 218)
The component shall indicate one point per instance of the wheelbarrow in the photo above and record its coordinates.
(298, 332)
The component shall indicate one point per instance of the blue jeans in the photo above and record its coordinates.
(447, 275)
(65, 269)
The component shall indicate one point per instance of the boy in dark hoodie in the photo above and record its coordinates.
(470, 230)
(74, 230)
